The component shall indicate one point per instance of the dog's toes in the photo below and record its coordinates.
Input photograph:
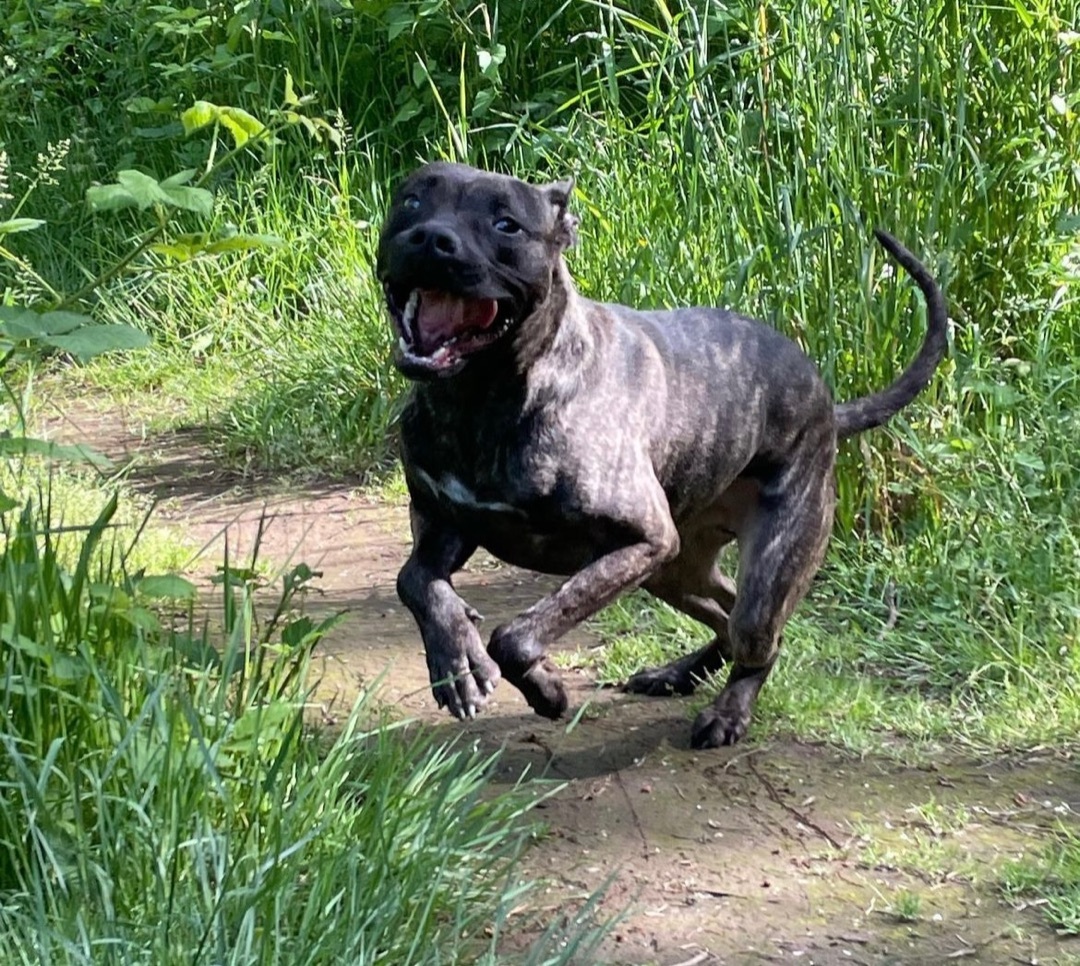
(715, 728)
(461, 695)
(659, 682)
(485, 672)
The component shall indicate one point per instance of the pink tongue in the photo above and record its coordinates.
(441, 316)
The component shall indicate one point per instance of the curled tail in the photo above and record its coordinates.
(866, 412)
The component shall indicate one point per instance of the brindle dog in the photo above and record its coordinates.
(616, 447)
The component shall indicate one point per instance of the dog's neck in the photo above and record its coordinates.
(549, 327)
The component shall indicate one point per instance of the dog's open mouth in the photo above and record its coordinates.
(437, 330)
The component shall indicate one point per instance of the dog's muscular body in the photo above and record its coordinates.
(616, 447)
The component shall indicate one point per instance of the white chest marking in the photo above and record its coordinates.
(450, 488)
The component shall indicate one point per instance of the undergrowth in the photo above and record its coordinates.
(164, 800)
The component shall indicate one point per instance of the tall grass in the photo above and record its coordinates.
(162, 800)
(724, 154)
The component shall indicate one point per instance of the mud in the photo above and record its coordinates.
(768, 852)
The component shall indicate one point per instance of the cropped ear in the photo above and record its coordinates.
(558, 194)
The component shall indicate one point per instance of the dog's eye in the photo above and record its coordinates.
(411, 202)
(507, 226)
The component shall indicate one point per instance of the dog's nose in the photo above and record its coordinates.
(435, 239)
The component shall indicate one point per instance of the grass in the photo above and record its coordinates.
(906, 906)
(164, 801)
(1052, 876)
(846, 677)
(734, 154)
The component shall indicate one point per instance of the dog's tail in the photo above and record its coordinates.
(866, 412)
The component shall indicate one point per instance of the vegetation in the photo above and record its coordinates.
(724, 153)
(164, 802)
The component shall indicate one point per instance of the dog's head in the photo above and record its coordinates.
(465, 258)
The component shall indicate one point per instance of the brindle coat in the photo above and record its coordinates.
(617, 447)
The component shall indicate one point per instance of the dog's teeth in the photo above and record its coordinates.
(410, 306)
(402, 344)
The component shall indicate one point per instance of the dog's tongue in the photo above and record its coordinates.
(441, 316)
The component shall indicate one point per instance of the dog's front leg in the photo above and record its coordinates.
(462, 675)
(519, 647)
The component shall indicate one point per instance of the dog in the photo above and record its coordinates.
(615, 447)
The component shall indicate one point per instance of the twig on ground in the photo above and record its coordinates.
(804, 819)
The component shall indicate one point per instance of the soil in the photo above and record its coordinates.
(767, 852)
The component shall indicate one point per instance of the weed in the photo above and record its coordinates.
(906, 906)
(163, 800)
(1052, 877)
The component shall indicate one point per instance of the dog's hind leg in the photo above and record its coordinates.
(462, 675)
(779, 553)
(693, 584)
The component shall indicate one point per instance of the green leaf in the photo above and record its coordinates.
(290, 94)
(109, 595)
(20, 224)
(7, 503)
(19, 323)
(108, 197)
(242, 243)
(92, 340)
(399, 18)
(25, 446)
(143, 619)
(57, 323)
(23, 644)
(199, 115)
(136, 188)
(14, 313)
(68, 669)
(241, 125)
(187, 247)
(318, 127)
(141, 105)
(28, 325)
(167, 585)
(144, 189)
(181, 177)
(180, 250)
(198, 200)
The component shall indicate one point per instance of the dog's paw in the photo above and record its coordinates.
(523, 663)
(716, 727)
(462, 676)
(543, 689)
(660, 682)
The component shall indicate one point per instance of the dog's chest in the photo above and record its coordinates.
(537, 528)
(452, 492)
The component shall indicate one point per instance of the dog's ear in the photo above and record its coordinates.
(558, 194)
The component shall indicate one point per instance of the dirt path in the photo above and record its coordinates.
(781, 852)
